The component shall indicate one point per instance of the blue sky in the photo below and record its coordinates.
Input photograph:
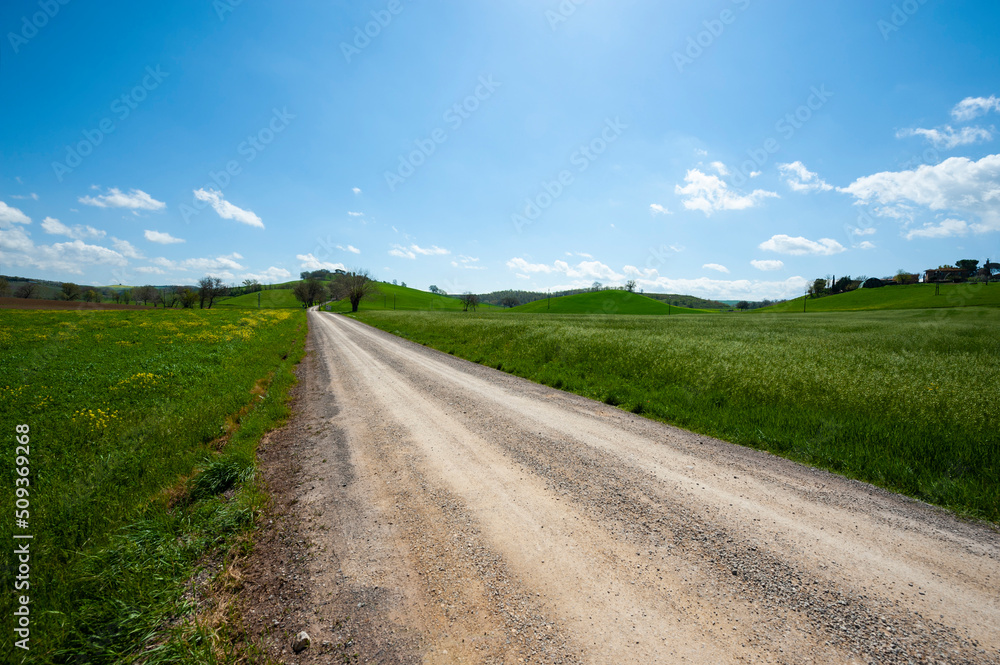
(727, 149)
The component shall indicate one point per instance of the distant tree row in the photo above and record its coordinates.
(354, 286)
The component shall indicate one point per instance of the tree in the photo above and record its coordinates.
(354, 286)
(70, 291)
(90, 295)
(309, 292)
(843, 284)
(510, 301)
(630, 286)
(970, 266)
(26, 290)
(209, 288)
(403, 284)
(818, 288)
(469, 301)
(434, 289)
(188, 297)
(596, 286)
(145, 294)
(251, 286)
(395, 283)
(4, 287)
(743, 305)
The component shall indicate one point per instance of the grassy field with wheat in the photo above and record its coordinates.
(903, 399)
(143, 428)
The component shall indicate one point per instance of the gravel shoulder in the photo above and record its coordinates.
(429, 509)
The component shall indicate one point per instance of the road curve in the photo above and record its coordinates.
(480, 518)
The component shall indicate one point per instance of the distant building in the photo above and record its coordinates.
(940, 275)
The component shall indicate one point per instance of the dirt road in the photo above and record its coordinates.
(468, 516)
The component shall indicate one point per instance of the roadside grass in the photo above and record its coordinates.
(144, 426)
(905, 400)
(605, 302)
(910, 296)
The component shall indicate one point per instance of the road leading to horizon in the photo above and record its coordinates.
(482, 518)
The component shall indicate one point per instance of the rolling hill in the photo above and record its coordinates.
(913, 296)
(391, 296)
(605, 302)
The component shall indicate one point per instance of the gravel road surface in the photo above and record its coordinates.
(469, 516)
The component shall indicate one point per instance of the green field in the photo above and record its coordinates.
(605, 302)
(269, 299)
(139, 423)
(403, 298)
(912, 296)
(903, 399)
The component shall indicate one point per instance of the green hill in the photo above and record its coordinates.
(391, 296)
(269, 299)
(913, 296)
(605, 302)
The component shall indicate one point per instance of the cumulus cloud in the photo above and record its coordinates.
(947, 137)
(767, 265)
(162, 238)
(945, 229)
(467, 263)
(709, 193)
(53, 226)
(125, 248)
(349, 248)
(585, 271)
(310, 262)
(717, 267)
(219, 266)
(801, 179)
(412, 251)
(227, 210)
(657, 209)
(720, 168)
(799, 246)
(971, 108)
(865, 244)
(957, 185)
(10, 215)
(355, 214)
(135, 199)
(269, 276)
(17, 249)
(356, 190)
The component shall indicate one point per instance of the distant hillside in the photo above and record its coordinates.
(912, 296)
(391, 296)
(605, 302)
(692, 302)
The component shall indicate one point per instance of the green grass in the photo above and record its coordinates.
(913, 296)
(269, 299)
(605, 302)
(132, 480)
(905, 399)
(404, 298)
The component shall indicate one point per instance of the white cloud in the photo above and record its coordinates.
(135, 199)
(957, 185)
(25, 196)
(355, 214)
(270, 276)
(720, 168)
(310, 262)
(865, 244)
(870, 231)
(467, 263)
(9, 215)
(767, 265)
(162, 238)
(151, 270)
(125, 248)
(356, 190)
(227, 210)
(17, 248)
(946, 229)
(53, 226)
(948, 137)
(350, 248)
(657, 209)
(801, 179)
(800, 246)
(219, 266)
(15, 239)
(412, 251)
(709, 193)
(717, 267)
(973, 107)
(699, 152)
(585, 271)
